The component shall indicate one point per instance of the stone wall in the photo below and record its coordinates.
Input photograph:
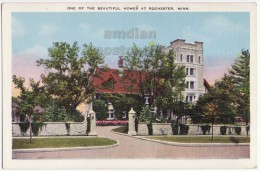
(166, 129)
(54, 128)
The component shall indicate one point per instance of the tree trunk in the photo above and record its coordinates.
(212, 131)
(30, 123)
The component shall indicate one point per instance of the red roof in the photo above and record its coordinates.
(128, 83)
(206, 84)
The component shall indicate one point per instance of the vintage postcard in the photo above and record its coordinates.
(130, 85)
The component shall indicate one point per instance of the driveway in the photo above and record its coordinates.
(130, 147)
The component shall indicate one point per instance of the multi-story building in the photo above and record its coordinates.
(190, 55)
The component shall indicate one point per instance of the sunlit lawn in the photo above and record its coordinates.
(61, 142)
(202, 139)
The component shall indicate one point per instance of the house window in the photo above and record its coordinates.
(192, 71)
(181, 58)
(192, 85)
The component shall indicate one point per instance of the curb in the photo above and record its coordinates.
(194, 144)
(185, 144)
(32, 150)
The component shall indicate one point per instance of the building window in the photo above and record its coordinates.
(191, 59)
(187, 84)
(187, 71)
(191, 84)
(181, 58)
(192, 71)
(199, 59)
(190, 98)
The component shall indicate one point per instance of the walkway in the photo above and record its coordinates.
(130, 147)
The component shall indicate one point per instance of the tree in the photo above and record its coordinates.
(70, 75)
(211, 112)
(240, 76)
(29, 98)
(172, 78)
(99, 106)
(158, 75)
(223, 96)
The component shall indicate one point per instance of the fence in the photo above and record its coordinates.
(194, 129)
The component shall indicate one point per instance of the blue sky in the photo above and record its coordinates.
(223, 34)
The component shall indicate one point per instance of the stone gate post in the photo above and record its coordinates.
(92, 116)
(131, 122)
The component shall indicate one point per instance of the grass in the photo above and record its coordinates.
(122, 129)
(202, 139)
(61, 142)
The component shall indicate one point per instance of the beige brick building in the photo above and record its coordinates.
(191, 56)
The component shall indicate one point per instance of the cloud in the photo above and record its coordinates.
(84, 26)
(24, 63)
(190, 36)
(215, 67)
(48, 30)
(17, 27)
(220, 24)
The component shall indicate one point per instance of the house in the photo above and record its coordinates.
(189, 55)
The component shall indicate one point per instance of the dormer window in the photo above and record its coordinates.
(108, 85)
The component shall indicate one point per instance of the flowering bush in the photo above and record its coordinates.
(111, 122)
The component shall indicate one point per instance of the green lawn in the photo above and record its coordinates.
(202, 139)
(61, 142)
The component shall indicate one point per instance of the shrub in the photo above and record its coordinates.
(184, 129)
(223, 130)
(24, 127)
(150, 128)
(175, 128)
(88, 125)
(36, 127)
(111, 122)
(238, 130)
(205, 129)
(67, 125)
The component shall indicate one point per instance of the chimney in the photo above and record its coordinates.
(120, 62)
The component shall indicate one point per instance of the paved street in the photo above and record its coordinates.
(130, 147)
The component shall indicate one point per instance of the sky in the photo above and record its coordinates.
(224, 35)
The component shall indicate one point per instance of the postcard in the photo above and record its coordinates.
(129, 85)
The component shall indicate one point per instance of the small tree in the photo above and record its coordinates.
(29, 98)
(211, 112)
(146, 117)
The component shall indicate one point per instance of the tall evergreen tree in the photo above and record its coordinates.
(240, 76)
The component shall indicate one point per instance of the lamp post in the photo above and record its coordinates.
(110, 111)
(146, 96)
